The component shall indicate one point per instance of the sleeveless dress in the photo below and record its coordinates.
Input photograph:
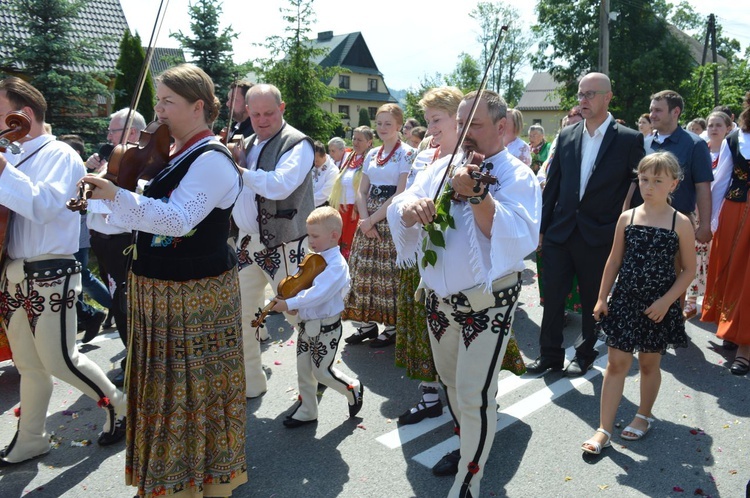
(646, 274)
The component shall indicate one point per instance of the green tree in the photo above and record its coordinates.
(210, 47)
(512, 52)
(293, 69)
(734, 82)
(364, 117)
(640, 43)
(467, 74)
(412, 109)
(62, 62)
(128, 67)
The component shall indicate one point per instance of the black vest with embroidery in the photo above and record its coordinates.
(740, 181)
(203, 252)
(283, 220)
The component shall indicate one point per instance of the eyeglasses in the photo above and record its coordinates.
(114, 130)
(589, 95)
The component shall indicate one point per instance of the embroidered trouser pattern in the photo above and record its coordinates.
(259, 267)
(468, 347)
(41, 321)
(315, 358)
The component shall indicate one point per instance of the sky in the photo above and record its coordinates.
(406, 47)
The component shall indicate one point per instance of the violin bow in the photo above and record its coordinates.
(160, 15)
(472, 111)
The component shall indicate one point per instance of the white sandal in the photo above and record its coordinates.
(638, 433)
(596, 447)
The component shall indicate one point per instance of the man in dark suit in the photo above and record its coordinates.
(588, 180)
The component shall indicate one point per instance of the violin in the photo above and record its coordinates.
(129, 163)
(311, 266)
(481, 176)
(19, 125)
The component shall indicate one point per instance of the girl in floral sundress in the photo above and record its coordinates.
(643, 314)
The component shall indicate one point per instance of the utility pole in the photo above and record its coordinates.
(712, 28)
(604, 37)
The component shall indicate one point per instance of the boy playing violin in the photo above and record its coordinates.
(319, 333)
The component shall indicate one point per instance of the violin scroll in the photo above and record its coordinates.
(19, 125)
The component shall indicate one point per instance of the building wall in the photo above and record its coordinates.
(357, 83)
(550, 121)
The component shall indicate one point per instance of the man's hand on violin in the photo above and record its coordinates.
(95, 164)
(281, 306)
(104, 189)
(464, 184)
(420, 211)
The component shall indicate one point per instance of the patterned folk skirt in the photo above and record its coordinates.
(413, 350)
(186, 388)
(375, 276)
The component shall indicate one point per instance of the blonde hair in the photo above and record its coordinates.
(326, 216)
(395, 111)
(193, 84)
(661, 162)
(444, 98)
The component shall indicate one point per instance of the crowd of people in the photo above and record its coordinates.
(412, 240)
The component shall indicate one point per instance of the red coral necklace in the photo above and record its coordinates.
(380, 161)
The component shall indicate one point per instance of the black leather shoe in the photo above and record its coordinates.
(423, 412)
(387, 338)
(92, 326)
(119, 379)
(740, 366)
(115, 434)
(578, 367)
(293, 423)
(448, 465)
(357, 406)
(542, 364)
(362, 333)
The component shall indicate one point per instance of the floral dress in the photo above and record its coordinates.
(646, 274)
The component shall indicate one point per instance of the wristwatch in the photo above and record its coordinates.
(476, 199)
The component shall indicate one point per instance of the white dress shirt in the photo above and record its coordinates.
(329, 289)
(589, 149)
(723, 175)
(36, 192)
(469, 258)
(211, 182)
(291, 170)
(323, 180)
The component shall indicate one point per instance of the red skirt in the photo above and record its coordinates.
(727, 299)
(5, 353)
(350, 218)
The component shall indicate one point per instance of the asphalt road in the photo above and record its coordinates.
(699, 445)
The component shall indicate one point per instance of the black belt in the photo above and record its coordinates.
(107, 236)
(51, 268)
(502, 297)
(324, 328)
(382, 190)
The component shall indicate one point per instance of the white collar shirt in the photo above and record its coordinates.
(326, 296)
(590, 146)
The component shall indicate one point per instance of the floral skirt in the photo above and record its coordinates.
(375, 276)
(572, 302)
(186, 388)
(413, 350)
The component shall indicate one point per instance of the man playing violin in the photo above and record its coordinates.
(472, 289)
(42, 278)
(109, 241)
(270, 213)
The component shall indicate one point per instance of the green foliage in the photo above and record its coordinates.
(640, 43)
(61, 62)
(412, 109)
(210, 47)
(129, 67)
(467, 74)
(436, 230)
(293, 68)
(364, 117)
(512, 52)
(734, 82)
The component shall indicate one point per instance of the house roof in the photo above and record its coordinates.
(350, 52)
(164, 58)
(540, 94)
(102, 18)
(694, 46)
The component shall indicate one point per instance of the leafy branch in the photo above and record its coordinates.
(437, 228)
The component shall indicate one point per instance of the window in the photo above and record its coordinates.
(373, 112)
(344, 111)
(344, 81)
(372, 84)
(537, 122)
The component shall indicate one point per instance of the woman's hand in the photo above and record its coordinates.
(104, 189)
(600, 310)
(365, 225)
(658, 310)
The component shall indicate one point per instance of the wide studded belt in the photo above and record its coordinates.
(51, 268)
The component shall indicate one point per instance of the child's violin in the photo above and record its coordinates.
(311, 266)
